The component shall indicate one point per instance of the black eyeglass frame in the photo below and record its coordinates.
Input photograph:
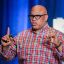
(32, 16)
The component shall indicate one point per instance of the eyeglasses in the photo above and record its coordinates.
(36, 16)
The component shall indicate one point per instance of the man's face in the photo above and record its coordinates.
(38, 17)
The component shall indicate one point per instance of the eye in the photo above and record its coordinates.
(37, 17)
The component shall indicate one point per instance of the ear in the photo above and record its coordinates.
(46, 17)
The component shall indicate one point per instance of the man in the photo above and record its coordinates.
(39, 45)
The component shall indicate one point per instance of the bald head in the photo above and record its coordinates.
(38, 9)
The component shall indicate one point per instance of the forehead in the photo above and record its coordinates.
(38, 10)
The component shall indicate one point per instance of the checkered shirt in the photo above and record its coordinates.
(31, 48)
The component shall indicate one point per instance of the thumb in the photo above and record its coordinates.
(8, 31)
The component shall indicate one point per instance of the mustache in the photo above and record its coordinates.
(33, 23)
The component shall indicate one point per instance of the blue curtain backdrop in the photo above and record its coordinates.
(14, 14)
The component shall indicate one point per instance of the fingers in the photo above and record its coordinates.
(8, 31)
(50, 36)
(6, 37)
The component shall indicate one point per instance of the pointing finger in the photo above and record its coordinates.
(8, 31)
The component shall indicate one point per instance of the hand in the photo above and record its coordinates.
(7, 39)
(51, 37)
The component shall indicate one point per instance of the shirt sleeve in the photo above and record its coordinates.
(9, 52)
(12, 50)
(61, 54)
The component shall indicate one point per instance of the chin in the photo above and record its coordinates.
(35, 28)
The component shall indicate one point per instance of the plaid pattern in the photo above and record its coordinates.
(31, 49)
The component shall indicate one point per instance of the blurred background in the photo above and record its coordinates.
(14, 14)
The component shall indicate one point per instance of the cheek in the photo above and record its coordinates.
(41, 23)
